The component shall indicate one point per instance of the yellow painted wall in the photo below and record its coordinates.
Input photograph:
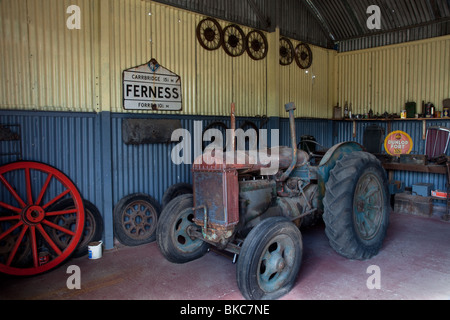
(46, 66)
(384, 79)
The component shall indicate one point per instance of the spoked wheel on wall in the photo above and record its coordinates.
(269, 260)
(27, 192)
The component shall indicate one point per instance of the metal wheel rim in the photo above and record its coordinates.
(303, 56)
(234, 40)
(257, 46)
(35, 187)
(209, 34)
(180, 237)
(368, 206)
(276, 263)
(139, 219)
(286, 52)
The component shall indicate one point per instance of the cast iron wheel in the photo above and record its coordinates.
(135, 219)
(269, 260)
(209, 34)
(303, 56)
(172, 233)
(257, 46)
(233, 40)
(287, 52)
(28, 189)
(356, 206)
(93, 225)
(174, 191)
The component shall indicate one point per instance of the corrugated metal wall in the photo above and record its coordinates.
(45, 65)
(69, 142)
(384, 79)
(309, 89)
(52, 68)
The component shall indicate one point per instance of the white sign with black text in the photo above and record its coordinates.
(151, 87)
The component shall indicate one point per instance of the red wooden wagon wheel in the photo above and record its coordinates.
(27, 191)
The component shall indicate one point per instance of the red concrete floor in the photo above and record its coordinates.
(414, 263)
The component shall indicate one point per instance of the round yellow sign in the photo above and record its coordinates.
(397, 143)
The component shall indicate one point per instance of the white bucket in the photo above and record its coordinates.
(95, 250)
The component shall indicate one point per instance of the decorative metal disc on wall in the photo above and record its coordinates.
(209, 34)
(233, 40)
(303, 56)
(287, 52)
(257, 46)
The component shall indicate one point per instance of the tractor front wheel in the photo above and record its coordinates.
(172, 233)
(269, 260)
(356, 206)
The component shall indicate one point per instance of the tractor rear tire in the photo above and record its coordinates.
(172, 232)
(356, 206)
(269, 260)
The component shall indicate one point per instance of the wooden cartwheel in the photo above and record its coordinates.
(27, 225)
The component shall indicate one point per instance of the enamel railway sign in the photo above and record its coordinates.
(151, 87)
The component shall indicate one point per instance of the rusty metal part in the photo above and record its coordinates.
(286, 51)
(209, 34)
(257, 46)
(147, 131)
(290, 107)
(233, 127)
(217, 193)
(234, 40)
(303, 56)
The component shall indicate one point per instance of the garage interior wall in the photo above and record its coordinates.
(64, 88)
(385, 78)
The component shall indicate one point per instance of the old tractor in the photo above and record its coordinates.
(258, 218)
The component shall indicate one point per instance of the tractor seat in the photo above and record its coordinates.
(246, 160)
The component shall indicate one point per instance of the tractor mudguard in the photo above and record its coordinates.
(328, 163)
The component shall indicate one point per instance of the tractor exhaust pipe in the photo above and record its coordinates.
(290, 107)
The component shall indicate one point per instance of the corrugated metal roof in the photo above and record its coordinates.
(401, 21)
(293, 17)
(327, 23)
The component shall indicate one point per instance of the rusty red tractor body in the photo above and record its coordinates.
(258, 217)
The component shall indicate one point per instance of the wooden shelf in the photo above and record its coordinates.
(432, 168)
(393, 119)
(424, 123)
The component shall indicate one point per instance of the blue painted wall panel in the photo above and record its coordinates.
(89, 149)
